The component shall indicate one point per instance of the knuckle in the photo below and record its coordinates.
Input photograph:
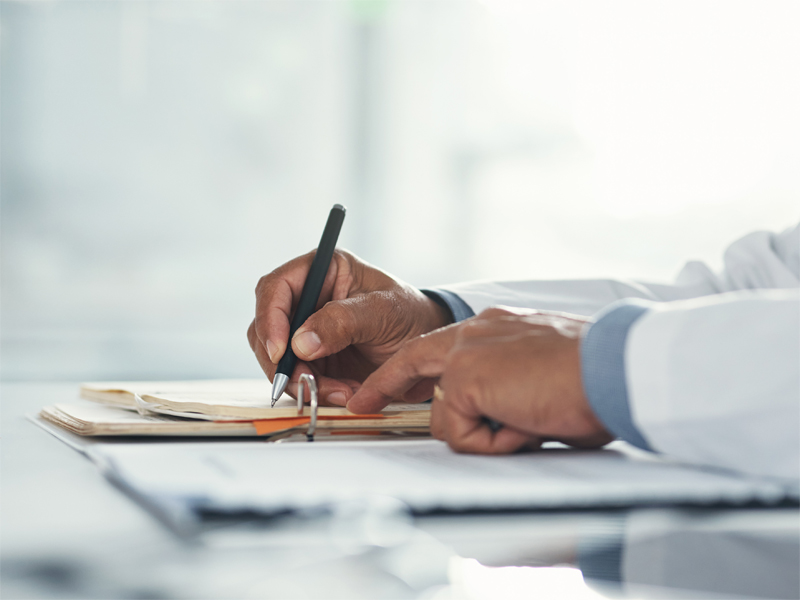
(494, 312)
(408, 354)
(345, 257)
(263, 284)
(477, 328)
(341, 254)
(469, 329)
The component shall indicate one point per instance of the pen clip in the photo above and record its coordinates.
(314, 401)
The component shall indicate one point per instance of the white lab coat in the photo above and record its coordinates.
(713, 370)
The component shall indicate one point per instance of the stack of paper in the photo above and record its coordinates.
(89, 419)
(214, 408)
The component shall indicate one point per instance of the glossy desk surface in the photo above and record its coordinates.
(69, 533)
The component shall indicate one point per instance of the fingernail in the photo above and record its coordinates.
(308, 343)
(337, 398)
(272, 348)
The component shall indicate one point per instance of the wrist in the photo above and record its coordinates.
(437, 312)
(455, 308)
(590, 428)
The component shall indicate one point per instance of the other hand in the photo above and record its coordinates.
(521, 368)
(363, 317)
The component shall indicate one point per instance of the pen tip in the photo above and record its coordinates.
(278, 386)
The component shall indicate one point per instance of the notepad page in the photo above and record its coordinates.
(229, 399)
(229, 392)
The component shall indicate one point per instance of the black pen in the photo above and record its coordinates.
(309, 296)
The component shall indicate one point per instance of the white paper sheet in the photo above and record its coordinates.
(425, 474)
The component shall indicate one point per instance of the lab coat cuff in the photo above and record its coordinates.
(603, 368)
(459, 310)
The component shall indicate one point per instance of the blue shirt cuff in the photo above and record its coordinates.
(459, 310)
(603, 368)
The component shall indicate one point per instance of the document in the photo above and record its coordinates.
(237, 400)
(425, 474)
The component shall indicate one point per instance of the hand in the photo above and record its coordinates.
(363, 317)
(519, 368)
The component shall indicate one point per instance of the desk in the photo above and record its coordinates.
(68, 533)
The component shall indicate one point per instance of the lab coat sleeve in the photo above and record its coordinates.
(713, 381)
(706, 369)
(716, 380)
(759, 260)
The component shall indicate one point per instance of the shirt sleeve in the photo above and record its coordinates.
(603, 369)
(459, 310)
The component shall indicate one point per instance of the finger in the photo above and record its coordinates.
(330, 391)
(437, 420)
(462, 400)
(272, 319)
(470, 433)
(335, 392)
(277, 295)
(261, 354)
(300, 368)
(422, 358)
(342, 323)
(420, 392)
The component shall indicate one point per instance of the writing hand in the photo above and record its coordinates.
(519, 368)
(363, 316)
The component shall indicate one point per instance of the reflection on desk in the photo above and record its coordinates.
(642, 553)
(68, 534)
(742, 553)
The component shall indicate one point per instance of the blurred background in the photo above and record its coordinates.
(157, 157)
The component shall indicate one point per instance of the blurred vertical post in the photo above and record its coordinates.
(366, 199)
(133, 49)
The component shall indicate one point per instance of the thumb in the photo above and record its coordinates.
(339, 324)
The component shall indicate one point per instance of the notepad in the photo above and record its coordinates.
(231, 407)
